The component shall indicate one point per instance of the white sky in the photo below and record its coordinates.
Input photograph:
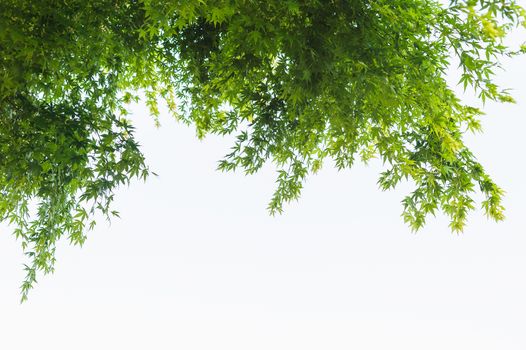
(196, 262)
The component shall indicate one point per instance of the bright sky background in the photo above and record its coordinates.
(196, 262)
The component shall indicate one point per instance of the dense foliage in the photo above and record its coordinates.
(299, 82)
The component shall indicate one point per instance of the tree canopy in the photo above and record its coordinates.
(298, 81)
